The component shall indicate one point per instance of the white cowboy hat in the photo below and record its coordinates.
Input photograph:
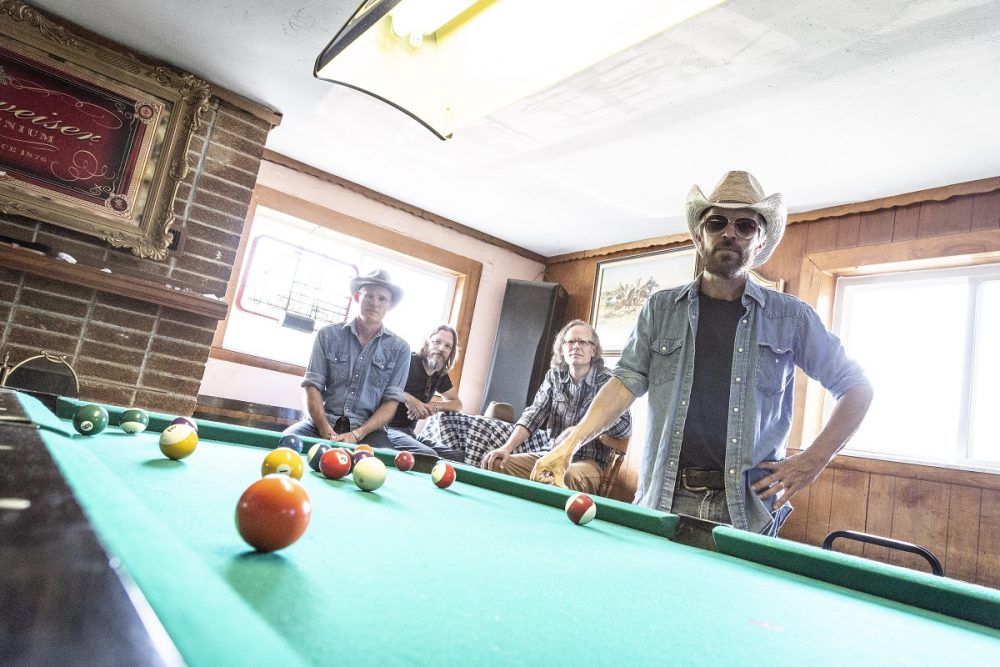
(739, 189)
(379, 278)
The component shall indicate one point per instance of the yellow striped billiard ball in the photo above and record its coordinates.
(283, 461)
(178, 441)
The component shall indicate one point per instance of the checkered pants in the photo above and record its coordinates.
(476, 435)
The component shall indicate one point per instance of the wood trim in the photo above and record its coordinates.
(932, 194)
(244, 359)
(295, 165)
(968, 249)
(29, 261)
(657, 242)
(974, 478)
(253, 108)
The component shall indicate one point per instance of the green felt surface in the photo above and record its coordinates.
(413, 574)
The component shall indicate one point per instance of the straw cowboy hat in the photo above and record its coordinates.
(379, 278)
(739, 189)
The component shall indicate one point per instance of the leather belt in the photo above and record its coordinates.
(696, 479)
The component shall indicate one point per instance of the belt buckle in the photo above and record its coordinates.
(684, 483)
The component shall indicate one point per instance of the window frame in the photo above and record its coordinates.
(973, 278)
(467, 272)
(817, 287)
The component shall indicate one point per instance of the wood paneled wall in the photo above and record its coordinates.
(954, 513)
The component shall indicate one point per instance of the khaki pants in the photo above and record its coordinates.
(583, 476)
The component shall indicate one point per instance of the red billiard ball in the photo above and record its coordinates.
(443, 474)
(405, 461)
(581, 509)
(335, 463)
(273, 512)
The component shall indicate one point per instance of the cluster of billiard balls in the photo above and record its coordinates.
(274, 511)
(177, 441)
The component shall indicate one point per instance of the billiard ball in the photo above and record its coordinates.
(361, 454)
(369, 474)
(291, 441)
(335, 463)
(316, 452)
(90, 419)
(580, 509)
(133, 420)
(187, 421)
(283, 461)
(404, 461)
(273, 512)
(178, 441)
(364, 448)
(443, 474)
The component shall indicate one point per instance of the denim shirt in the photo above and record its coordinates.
(777, 333)
(355, 380)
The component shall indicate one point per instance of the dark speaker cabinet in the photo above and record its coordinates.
(531, 316)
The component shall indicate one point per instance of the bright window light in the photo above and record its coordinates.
(926, 341)
(297, 279)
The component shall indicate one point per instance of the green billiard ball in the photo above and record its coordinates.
(134, 420)
(90, 419)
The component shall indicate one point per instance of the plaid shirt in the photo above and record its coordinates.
(560, 403)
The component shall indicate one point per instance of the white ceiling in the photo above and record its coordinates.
(828, 102)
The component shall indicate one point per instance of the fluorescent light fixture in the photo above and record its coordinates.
(448, 63)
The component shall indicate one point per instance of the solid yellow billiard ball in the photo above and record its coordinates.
(364, 448)
(283, 461)
(178, 441)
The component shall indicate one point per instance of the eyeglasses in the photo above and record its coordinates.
(746, 228)
(380, 299)
(578, 342)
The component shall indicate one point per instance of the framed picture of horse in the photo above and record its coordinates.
(623, 285)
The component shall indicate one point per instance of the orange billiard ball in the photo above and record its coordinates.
(273, 512)
(365, 448)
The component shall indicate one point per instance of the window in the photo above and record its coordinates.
(928, 342)
(296, 279)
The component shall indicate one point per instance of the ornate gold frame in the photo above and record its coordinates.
(170, 104)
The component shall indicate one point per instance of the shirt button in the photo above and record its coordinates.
(736, 409)
(732, 471)
(683, 402)
(739, 349)
(734, 441)
(737, 379)
(677, 432)
(744, 321)
(663, 348)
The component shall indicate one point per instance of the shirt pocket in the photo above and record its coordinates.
(664, 358)
(381, 370)
(340, 366)
(775, 367)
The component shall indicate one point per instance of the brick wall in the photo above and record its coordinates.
(128, 352)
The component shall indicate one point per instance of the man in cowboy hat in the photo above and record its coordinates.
(718, 359)
(357, 370)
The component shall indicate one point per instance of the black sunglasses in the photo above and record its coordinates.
(745, 227)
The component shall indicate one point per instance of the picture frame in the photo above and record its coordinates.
(622, 287)
(92, 138)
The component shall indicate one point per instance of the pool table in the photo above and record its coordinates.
(112, 553)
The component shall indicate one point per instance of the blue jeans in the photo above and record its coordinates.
(377, 438)
(404, 439)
